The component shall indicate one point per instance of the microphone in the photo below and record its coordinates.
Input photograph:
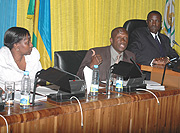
(173, 59)
(109, 82)
(172, 62)
(175, 43)
(164, 74)
(35, 85)
(68, 73)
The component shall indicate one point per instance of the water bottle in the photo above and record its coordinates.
(119, 84)
(25, 91)
(95, 81)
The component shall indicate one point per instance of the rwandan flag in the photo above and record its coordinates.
(30, 13)
(168, 25)
(42, 29)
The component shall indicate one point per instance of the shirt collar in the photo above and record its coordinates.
(114, 55)
(153, 34)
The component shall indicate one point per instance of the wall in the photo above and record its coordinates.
(82, 24)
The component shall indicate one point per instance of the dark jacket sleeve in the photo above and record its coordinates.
(169, 51)
(86, 62)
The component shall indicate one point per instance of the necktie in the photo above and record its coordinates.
(160, 46)
(117, 59)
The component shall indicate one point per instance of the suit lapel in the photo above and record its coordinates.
(162, 43)
(152, 41)
(125, 56)
(108, 56)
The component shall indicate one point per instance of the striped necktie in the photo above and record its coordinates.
(160, 46)
(117, 59)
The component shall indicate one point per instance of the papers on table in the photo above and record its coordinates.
(43, 90)
(152, 85)
(41, 94)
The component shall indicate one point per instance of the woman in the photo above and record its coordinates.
(18, 55)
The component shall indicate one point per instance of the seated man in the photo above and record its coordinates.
(149, 45)
(107, 56)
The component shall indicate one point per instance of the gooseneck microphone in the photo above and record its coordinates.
(108, 83)
(173, 59)
(68, 73)
(175, 43)
(170, 61)
(164, 74)
(35, 85)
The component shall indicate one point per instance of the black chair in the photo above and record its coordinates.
(132, 24)
(69, 61)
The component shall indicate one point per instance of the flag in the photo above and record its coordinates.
(42, 32)
(30, 12)
(168, 26)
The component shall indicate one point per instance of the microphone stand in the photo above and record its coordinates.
(173, 59)
(164, 74)
(35, 86)
(108, 82)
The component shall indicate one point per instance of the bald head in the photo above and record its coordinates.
(119, 39)
(118, 30)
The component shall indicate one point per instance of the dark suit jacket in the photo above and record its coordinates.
(142, 43)
(104, 66)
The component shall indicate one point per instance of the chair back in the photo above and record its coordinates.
(69, 61)
(132, 24)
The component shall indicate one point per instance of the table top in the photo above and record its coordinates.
(51, 108)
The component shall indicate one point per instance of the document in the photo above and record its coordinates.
(43, 90)
(152, 85)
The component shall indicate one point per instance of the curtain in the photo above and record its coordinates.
(8, 15)
(82, 24)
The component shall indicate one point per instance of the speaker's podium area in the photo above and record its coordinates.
(135, 111)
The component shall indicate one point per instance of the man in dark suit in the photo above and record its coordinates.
(107, 56)
(149, 45)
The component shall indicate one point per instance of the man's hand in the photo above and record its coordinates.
(161, 61)
(95, 60)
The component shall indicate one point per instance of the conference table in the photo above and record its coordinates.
(137, 111)
(171, 78)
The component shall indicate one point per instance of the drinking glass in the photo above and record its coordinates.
(9, 93)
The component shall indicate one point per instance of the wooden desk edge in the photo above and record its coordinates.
(146, 68)
(74, 107)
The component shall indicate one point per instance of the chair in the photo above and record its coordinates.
(69, 61)
(132, 24)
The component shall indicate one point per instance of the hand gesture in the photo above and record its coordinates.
(96, 59)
